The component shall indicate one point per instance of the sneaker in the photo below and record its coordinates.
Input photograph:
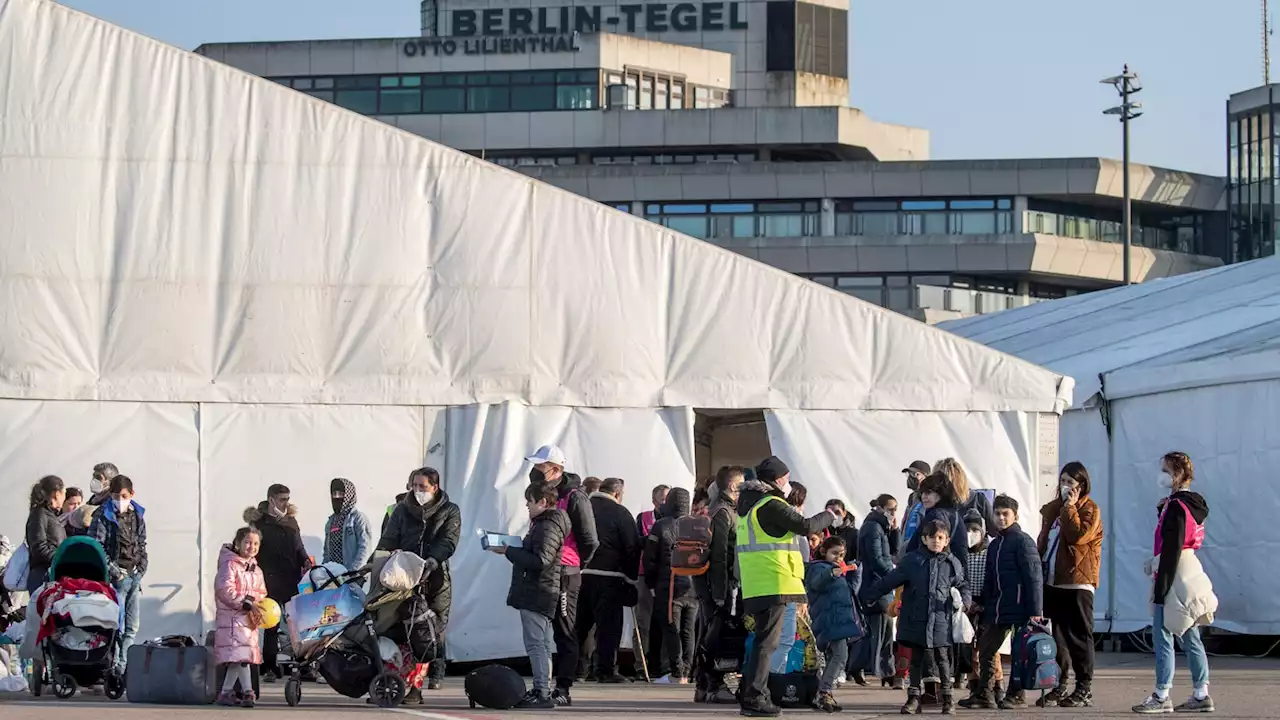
(825, 703)
(1051, 698)
(948, 705)
(227, 699)
(664, 680)
(412, 696)
(1153, 705)
(1013, 701)
(723, 696)
(1081, 698)
(897, 684)
(247, 700)
(912, 706)
(435, 683)
(268, 677)
(1193, 705)
(859, 679)
(761, 708)
(534, 700)
(978, 701)
(561, 697)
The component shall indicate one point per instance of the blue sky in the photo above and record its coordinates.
(988, 78)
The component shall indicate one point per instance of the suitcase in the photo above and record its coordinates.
(170, 675)
(220, 671)
(496, 687)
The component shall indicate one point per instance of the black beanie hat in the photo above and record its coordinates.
(770, 469)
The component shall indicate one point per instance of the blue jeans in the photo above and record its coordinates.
(1197, 661)
(128, 589)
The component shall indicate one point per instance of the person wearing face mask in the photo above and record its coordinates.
(717, 588)
(100, 484)
(771, 568)
(915, 473)
(281, 557)
(876, 550)
(119, 525)
(1070, 546)
(347, 535)
(548, 468)
(429, 525)
(1182, 595)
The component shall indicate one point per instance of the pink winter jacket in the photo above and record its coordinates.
(236, 641)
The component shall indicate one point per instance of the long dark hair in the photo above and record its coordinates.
(798, 495)
(43, 491)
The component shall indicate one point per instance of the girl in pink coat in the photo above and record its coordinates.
(237, 588)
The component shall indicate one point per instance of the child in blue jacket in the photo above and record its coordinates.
(831, 611)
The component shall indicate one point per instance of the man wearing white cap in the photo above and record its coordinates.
(549, 469)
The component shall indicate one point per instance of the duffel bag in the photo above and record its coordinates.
(496, 687)
(171, 675)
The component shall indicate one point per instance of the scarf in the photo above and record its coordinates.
(333, 533)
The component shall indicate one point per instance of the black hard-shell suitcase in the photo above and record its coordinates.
(170, 675)
(496, 687)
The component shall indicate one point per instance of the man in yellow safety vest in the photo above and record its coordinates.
(772, 570)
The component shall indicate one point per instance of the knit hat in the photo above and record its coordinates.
(770, 469)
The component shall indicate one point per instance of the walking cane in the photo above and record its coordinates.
(639, 648)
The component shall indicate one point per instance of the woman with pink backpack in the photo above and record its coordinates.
(1182, 594)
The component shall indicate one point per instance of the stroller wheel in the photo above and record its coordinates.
(293, 690)
(113, 685)
(387, 690)
(64, 687)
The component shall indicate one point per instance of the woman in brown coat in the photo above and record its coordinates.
(1070, 546)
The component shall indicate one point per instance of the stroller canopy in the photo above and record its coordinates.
(82, 558)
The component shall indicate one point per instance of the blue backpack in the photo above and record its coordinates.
(1035, 664)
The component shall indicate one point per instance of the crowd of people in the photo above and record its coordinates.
(879, 599)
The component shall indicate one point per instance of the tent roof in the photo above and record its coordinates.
(177, 230)
(1211, 319)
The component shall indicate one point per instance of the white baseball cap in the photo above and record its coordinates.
(547, 454)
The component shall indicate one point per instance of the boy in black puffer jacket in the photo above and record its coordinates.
(1012, 596)
(927, 577)
(535, 587)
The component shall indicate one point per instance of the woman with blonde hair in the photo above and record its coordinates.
(966, 499)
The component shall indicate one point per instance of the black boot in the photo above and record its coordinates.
(948, 704)
(912, 706)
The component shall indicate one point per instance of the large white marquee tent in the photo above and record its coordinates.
(1189, 363)
(218, 283)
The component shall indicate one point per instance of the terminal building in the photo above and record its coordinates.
(729, 121)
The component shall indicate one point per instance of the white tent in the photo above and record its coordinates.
(1189, 363)
(218, 283)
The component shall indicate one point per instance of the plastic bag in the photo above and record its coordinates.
(961, 628)
(15, 573)
(403, 571)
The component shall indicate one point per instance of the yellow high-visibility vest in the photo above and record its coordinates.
(768, 565)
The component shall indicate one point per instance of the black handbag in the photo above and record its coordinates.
(793, 690)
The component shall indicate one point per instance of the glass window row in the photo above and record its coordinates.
(959, 216)
(443, 93)
(738, 219)
(943, 292)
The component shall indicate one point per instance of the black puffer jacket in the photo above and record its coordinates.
(1013, 590)
(583, 542)
(926, 578)
(658, 546)
(282, 556)
(619, 549)
(45, 533)
(777, 519)
(876, 553)
(719, 584)
(432, 533)
(535, 565)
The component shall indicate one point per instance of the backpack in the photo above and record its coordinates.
(691, 555)
(496, 687)
(1035, 665)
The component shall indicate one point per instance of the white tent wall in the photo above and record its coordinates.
(487, 476)
(156, 444)
(1232, 433)
(856, 456)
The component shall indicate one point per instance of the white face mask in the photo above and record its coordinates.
(785, 488)
(1166, 481)
(975, 537)
(122, 505)
(96, 486)
(422, 496)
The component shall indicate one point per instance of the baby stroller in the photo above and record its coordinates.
(80, 630)
(335, 632)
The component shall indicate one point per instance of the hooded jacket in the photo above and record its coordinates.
(347, 534)
(1014, 586)
(535, 565)
(582, 543)
(661, 541)
(618, 553)
(1172, 534)
(951, 515)
(778, 519)
(1078, 556)
(926, 578)
(719, 584)
(126, 546)
(431, 532)
(830, 604)
(875, 549)
(282, 556)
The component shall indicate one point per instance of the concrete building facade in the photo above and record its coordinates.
(729, 121)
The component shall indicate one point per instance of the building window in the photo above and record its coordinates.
(438, 93)
(969, 216)
(738, 219)
(954, 293)
(1177, 233)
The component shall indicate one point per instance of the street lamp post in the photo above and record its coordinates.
(1126, 84)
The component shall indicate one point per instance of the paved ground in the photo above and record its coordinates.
(1242, 689)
